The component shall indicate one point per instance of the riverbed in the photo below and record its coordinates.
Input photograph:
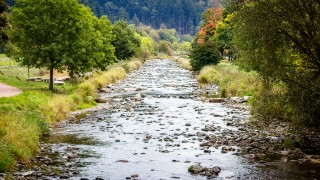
(155, 127)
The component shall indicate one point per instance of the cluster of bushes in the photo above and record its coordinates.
(27, 117)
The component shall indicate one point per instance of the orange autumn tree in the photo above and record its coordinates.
(205, 50)
(210, 19)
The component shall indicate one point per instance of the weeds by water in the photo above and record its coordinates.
(185, 63)
(231, 80)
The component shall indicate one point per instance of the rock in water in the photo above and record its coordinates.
(204, 171)
(195, 169)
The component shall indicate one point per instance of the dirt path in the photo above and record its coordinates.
(7, 91)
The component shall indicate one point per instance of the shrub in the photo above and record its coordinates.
(58, 108)
(86, 88)
(204, 54)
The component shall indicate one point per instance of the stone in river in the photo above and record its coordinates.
(135, 175)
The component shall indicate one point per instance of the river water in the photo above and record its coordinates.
(154, 129)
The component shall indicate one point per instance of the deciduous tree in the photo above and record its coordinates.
(280, 39)
(125, 43)
(56, 34)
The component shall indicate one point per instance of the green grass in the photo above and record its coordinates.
(231, 80)
(5, 61)
(28, 116)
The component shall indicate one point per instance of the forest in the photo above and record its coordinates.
(182, 15)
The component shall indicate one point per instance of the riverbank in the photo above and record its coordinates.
(25, 118)
(259, 138)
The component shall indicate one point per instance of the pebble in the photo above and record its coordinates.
(135, 175)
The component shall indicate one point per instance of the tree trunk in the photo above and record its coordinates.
(51, 80)
(28, 73)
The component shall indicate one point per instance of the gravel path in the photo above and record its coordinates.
(7, 91)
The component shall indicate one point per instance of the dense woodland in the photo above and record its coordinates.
(182, 15)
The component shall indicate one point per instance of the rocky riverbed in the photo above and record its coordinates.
(154, 125)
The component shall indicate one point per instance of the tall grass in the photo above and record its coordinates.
(26, 117)
(184, 62)
(231, 80)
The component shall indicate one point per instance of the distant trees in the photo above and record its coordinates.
(182, 15)
(60, 34)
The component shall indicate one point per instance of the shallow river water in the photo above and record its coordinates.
(154, 130)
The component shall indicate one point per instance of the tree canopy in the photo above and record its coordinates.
(3, 23)
(182, 15)
(205, 50)
(60, 34)
(125, 43)
(280, 39)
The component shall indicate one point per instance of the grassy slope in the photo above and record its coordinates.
(24, 118)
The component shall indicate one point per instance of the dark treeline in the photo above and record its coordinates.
(182, 15)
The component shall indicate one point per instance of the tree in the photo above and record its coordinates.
(56, 34)
(186, 46)
(3, 23)
(165, 47)
(205, 50)
(280, 40)
(204, 54)
(210, 18)
(125, 43)
(104, 26)
(223, 36)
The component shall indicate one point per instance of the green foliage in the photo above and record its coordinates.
(204, 54)
(182, 15)
(223, 36)
(4, 23)
(6, 160)
(269, 102)
(66, 39)
(147, 46)
(126, 44)
(280, 40)
(165, 47)
(185, 46)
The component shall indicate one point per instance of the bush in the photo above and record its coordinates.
(58, 108)
(204, 54)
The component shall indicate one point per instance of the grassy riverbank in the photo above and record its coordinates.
(231, 80)
(27, 117)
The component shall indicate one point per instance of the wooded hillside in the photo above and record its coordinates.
(182, 15)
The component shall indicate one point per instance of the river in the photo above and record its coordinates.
(155, 128)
